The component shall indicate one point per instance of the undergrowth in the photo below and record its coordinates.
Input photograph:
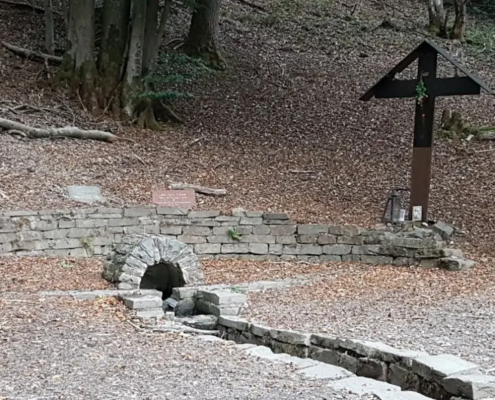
(173, 70)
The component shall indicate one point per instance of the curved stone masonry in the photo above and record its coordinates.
(128, 263)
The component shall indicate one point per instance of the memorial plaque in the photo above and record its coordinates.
(85, 194)
(174, 198)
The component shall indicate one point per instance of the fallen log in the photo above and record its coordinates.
(31, 54)
(68, 132)
(199, 189)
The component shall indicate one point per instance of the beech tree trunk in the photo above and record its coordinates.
(459, 29)
(202, 40)
(436, 14)
(49, 35)
(115, 78)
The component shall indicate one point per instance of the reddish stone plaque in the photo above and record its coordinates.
(174, 198)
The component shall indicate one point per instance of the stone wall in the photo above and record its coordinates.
(243, 235)
(442, 377)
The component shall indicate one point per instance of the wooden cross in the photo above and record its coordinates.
(390, 88)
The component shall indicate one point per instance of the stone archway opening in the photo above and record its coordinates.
(163, 276)
(153, 262)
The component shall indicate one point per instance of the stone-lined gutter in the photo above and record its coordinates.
(253, 235)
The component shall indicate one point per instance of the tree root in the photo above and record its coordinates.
(68, 132)
(31, 54)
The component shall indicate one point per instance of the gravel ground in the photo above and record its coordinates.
(84, 350)
(434, 311)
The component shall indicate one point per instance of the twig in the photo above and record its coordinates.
(32, 54)
(133, 325)
(140, 159)
(3, 195)
(199, 189)
(193, 142)
(180, 330)
(253, 5)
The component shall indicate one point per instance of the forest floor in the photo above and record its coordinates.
(288, 103)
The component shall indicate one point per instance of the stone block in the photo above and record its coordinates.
(225, 298)
(362, 386)
(354, 240)
(337, 249)
(228, 218)
(238, 212)
(140, 302)
(221, 239)
(331, 258)
(18, 213)
(438, 367)
(290, 336)
(237, 248)
(203, 214)
(377, 260)
(189, 239)
(327, 356)
(171, 230)
(307, 238)
(180, 221)
(139, 211)
(260, 330)
(224, 230)
(277, 216)
(257, 239)
(184, 293)
(324, 340)
(65, 244)
(325, 371)
(285, 239)
(8, 237)
(171, 211)
(302, 249)
(348, 362)
(455, 253)
(105, 216)
(327, 239)
(102, 241)
(261, 230)
(120, 222)
(64, 223)
(370, 368)
(275, 249)
(207, 248)
(81, 232)
(367, 249)
(254, 214)
(196, 230)
(258, 248)
(345, 230)
(142, 230)
(455, 264)
(443, 229)
(209, 222)
(250, 221)
(282, 230)
(402, 377)
(234, 322)
(471, 386)
(210, 308)
(312, 229)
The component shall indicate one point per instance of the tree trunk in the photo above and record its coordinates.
(115, 78)
(436, 14)
(458, 30)
(112, 52)
(202, 40)
(49, 35)
(78, 66)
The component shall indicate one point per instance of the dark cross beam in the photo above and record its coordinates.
(424, 117)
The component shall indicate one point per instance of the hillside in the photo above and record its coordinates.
(289, 103)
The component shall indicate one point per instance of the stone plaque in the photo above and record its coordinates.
(174, 198)
(417, 213)
(85, 194)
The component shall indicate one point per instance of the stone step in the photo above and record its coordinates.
(325, 371)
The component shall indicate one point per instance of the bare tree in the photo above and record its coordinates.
(49, 29)
(437, 17)
(459, 28)
(202, 40)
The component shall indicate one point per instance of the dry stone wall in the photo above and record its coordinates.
(243, 235)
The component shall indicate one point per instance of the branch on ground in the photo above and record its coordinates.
(252, 5)
(199, 189)
(67, 132)
(31, 54)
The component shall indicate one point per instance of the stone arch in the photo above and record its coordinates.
(140, 259)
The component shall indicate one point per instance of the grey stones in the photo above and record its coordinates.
(137, 302)
(203, 322)
(135, 254)
(444, 230)
(471, 386)
(85, 194)
(455, 264)
(441, 366)
(361, 385)
(220, 302)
